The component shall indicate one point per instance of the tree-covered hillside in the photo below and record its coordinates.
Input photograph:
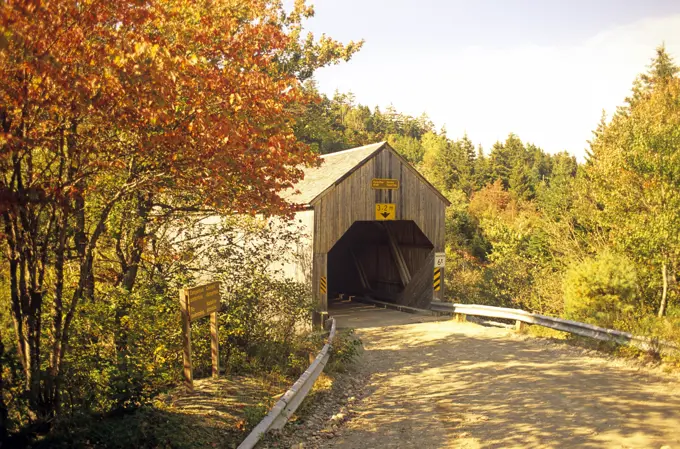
(595, 241)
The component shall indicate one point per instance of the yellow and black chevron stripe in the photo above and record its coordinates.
(437, 283)
(323, 286)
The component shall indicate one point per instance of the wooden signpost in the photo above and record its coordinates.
(197, 302)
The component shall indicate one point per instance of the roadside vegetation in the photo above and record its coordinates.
(593, 240)
(139, 140)
(143, 147)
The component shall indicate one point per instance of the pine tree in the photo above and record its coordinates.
(661, 71)
(634, 171)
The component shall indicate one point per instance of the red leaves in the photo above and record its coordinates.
(200, 100)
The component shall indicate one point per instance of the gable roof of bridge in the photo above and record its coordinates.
(338, 166)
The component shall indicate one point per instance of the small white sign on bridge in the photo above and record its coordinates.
(439, 260)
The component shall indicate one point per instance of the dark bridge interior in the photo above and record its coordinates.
(386, 260)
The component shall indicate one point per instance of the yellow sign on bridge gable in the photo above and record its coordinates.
(385, 211)
(386, 184)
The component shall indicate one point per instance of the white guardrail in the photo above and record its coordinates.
(522, 316)
(279, 414)
(573, 327)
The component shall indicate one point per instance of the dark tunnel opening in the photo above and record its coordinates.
(386, 260)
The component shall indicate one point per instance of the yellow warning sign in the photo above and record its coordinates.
(323, 285)
(384, 183)
(437, 282)
(385, 211)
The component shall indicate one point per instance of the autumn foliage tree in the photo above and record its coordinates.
(634, 175)
(154, 106)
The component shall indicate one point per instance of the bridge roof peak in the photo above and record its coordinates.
(337, 166)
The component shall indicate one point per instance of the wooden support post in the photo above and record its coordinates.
(520, 326)
(214, 345)
(186, 340)
(402, 268)
(362, 273)
(460, 318)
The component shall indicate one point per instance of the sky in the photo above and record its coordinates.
(544, 70)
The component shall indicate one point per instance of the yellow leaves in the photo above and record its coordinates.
(154, 50)
(235, 101)
(193, 59)
(140, 48)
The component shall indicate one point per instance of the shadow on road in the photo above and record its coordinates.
(363, 316)
(443, 384)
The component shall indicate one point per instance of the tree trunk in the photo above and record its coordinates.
(664, 292)
(3, 406)
(53, 381)
(130, 268)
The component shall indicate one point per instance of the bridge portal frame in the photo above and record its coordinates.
(342, 191)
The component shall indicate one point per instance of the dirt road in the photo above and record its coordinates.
(441, 384)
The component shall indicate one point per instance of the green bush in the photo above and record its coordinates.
(601, 291)
(345, 349)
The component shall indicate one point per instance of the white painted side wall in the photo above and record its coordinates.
(299, 267)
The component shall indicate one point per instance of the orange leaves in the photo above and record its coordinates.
(182, 88)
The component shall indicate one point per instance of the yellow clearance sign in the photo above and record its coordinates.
(385, 211)
(383, 183)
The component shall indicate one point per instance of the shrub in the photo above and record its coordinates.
(601, 291)
(345, 350)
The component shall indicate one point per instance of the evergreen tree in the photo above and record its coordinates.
(500, 164)
(634, 172)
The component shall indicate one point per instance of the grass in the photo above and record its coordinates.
(217, 414)
(670, 363)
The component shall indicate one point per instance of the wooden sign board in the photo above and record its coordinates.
(385, 211)
(203, 300)
(197, 302)
(383, 183)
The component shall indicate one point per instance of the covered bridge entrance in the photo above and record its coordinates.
(375, 225)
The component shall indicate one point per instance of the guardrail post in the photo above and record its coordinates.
(520, 326)
(460, 318)
(316, 320)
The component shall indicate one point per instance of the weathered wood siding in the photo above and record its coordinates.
(352, 199)
(419, 291)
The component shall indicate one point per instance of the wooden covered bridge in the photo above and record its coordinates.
(375, 228)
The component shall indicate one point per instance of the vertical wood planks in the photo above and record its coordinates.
(353, 199)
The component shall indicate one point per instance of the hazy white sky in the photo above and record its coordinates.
(544, 70)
